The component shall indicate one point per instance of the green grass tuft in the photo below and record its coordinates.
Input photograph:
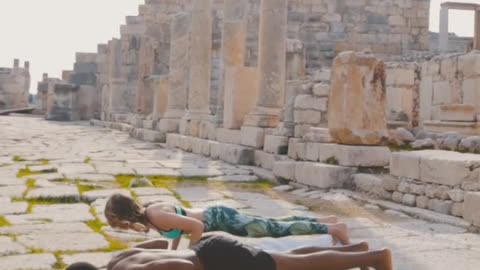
(124, 180)
(59, 265)
(36, 250)
(25, 172)
(18, 159)
(82, 188)
(4, 222)
(44, 161)
(31, 183)
(87, 160)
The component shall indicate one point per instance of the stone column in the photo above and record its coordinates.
(178, 74)
(160, 97)
(476, 38)
(118, 95)
(443, 38)
(272, 64)
(234, 37)
(200, 68)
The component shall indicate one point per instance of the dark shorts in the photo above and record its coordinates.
(222, 253)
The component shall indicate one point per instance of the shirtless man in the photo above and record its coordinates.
(218, 252)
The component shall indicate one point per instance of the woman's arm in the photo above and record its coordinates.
(168, 221)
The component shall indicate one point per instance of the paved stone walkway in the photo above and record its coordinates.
(55, 178)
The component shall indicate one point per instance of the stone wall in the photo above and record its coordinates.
(441, 181)
(403, 83)
(449, 88)
(384, 27)
(14, 86)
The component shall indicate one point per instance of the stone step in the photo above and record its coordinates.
(436, 166)
(458, 112)
(465, 128)
(148, 135)
(318, 135)
(322, 175)
(347, 155)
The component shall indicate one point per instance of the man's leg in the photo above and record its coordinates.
(362, 246)
(334, 260)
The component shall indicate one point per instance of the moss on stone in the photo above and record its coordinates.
(4, 222)
(332, 161)
(44, 161)
(18, 159)
(399, 148)
(60, 264)
(124, 180)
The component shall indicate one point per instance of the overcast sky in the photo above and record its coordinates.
(49, 32)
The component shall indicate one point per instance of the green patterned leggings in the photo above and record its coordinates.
(221, 218)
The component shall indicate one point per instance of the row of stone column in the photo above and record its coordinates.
(248, 96)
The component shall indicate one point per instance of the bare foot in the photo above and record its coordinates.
(328, 219)
(339, 232)
(384, 261)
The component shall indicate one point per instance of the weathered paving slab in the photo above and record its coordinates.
(11, 181)
(12, 191)
(75, 168)
(47, 177)
(8, 247)
(64, 241)
(198, 194)
(91, 177)
(200, 172)
(66, 213)
(43, 168)
(46, 228)
(156, 172)
(129, 236)
(105, 193)
(158, 198)
(58, 192)
(12, 208)
(150, 191)
(113, 168)
(30, 261)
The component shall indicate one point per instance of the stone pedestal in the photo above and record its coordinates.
(357, 100)
(271, 66)
(200, 69)
(178, 75)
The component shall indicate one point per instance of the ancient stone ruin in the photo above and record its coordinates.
(14, 86)
(314, 91)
